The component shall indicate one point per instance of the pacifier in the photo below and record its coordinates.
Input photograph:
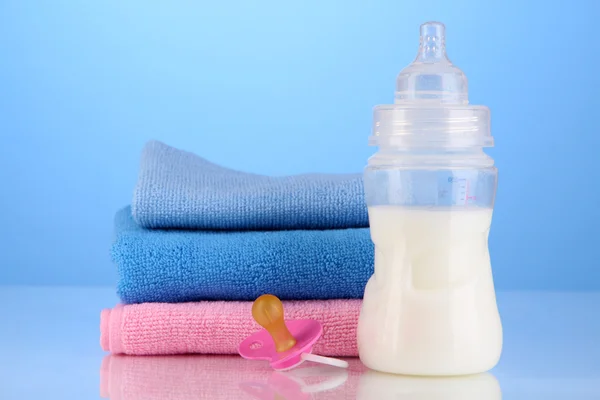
(285, 344)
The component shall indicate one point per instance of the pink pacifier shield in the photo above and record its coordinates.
(260, 346)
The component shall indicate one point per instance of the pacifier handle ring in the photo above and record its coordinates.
(334, 362)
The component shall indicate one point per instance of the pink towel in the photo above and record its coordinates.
(218, 327)
(218, 377)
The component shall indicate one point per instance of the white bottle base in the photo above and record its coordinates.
(428, 371)
(430, 308)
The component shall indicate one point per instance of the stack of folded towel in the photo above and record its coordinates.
(200, 243)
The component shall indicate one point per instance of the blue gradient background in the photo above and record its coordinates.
(279, 87)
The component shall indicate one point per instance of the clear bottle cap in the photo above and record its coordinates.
(431, 103)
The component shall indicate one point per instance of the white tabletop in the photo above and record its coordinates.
(49, 348)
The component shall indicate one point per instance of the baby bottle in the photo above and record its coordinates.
(430, 306)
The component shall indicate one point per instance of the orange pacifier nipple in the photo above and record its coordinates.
(267, 311)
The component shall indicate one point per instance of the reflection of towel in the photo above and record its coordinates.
(219, 327)
(177, 189)
(231, 377)
(222, 378)
(176, 266)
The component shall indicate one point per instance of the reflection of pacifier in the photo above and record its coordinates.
(295, 384)
(285, 344)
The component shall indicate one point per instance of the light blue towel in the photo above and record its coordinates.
(177, 189)
(179, 266)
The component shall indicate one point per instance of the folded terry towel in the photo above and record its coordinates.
(177, 266)
(177, 189)
(218, 327)
(225, 378)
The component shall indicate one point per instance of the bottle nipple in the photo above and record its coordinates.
(431, 77)
(267, 311)
(432, 46)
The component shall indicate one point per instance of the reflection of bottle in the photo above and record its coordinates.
(380, 386)
(430, 307)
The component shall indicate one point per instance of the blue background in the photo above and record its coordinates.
(280, 87)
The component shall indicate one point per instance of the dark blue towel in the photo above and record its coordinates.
(180, 266)
(177, 189)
